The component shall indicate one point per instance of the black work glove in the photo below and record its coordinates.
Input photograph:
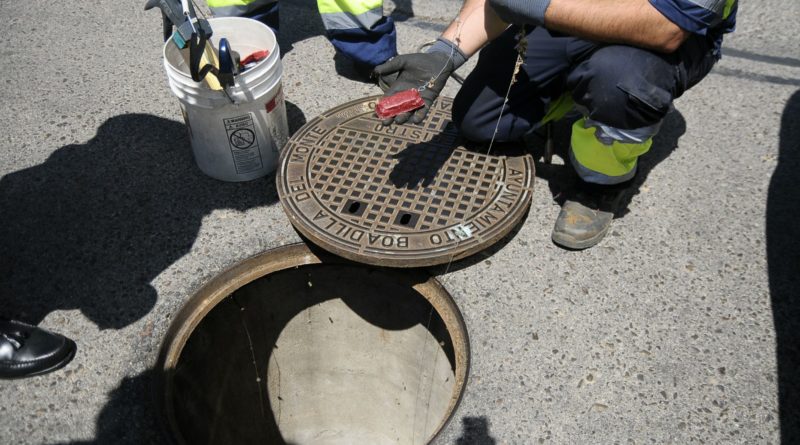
(415, 71)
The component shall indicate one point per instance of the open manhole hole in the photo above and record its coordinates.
(401, 195)
(289, 347)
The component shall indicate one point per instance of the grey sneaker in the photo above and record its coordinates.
(586, 216)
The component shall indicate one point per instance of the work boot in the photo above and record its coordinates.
(26, 350)
(586, 216)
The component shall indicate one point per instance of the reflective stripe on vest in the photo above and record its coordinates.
(350, 14)
(608, 135)
(720, 8)
(601, 163)
(715, 6)
(236, 8)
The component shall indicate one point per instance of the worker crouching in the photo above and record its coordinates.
(620, 64)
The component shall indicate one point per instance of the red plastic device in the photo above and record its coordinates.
(402, 102)
(254, 58)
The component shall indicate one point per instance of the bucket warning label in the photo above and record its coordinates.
(244, 143)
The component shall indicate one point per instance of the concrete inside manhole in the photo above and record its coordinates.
(289, 348)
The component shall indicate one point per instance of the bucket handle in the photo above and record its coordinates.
(197, 45)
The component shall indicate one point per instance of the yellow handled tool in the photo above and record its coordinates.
(192, 37)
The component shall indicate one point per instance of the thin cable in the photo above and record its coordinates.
(419, 366)
(456, 42)
(500, 116)
(457, 77)
(521, 49)
(433, 79)
(252, 356)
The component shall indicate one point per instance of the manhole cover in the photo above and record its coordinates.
(402, 196)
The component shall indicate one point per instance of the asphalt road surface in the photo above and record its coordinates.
(680, 327)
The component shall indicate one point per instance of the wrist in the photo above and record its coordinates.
(443, 45)
(521, 12)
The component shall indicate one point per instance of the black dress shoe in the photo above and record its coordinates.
(26, 350)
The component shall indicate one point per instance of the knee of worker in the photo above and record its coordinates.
(623, 87)
(465, 122)
(478, 123)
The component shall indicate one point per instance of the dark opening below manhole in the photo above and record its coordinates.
(291, 348)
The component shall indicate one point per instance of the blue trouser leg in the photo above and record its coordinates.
(268, 14)
(368, 39)
(265, 11)
(368, 47)
(618, 85)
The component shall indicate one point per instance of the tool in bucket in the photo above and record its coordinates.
(194, 33)
(228, 66)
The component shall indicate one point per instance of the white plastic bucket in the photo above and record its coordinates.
(238, 136)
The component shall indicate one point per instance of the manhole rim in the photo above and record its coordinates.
(208, 295)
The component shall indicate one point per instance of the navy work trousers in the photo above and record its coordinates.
(618, 86)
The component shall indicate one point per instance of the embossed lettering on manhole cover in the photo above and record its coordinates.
(402, 195)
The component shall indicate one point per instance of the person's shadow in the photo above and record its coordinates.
(475, 431)
(783, 265)
(128, 420)
(95, 223)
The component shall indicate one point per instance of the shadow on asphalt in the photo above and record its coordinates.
(299, 20)
(475, 431)
(128, 419)
(95, 223)
(783, 264)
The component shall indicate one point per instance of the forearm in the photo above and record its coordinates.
(476, 25)
(633, 22)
